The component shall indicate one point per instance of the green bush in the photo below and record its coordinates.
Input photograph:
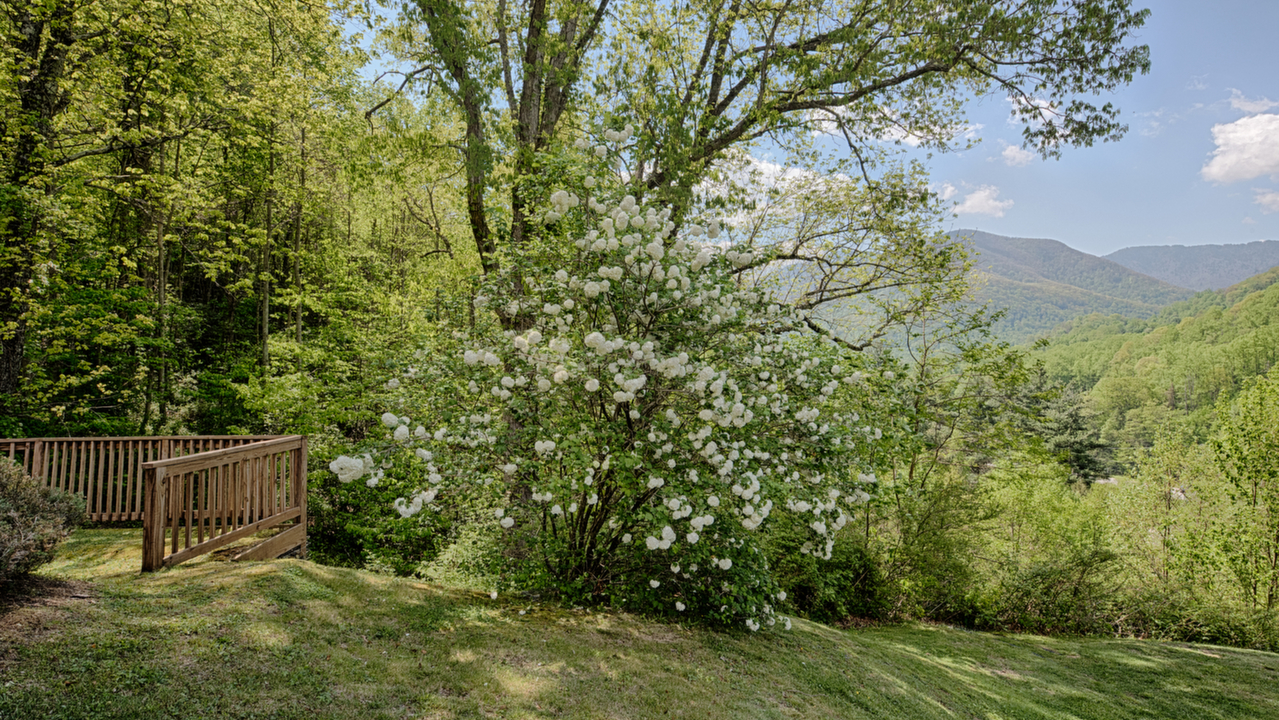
(33, 520)
(355, 526)
(848, 585)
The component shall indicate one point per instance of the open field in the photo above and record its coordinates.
(291, 639)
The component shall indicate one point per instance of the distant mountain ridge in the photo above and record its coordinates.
(1200, 267)
(1041, 283)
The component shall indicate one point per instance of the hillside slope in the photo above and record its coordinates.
(1144, 374)
(1200, 267)
(291, 639)
(1041, 283)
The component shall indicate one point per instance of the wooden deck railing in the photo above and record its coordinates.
(108, 471)
(198, 503)
(193, 494)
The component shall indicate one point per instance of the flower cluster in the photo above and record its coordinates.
(627, 385)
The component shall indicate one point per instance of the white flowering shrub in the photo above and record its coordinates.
(634, 415)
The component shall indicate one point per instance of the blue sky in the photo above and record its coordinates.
(1199, 165)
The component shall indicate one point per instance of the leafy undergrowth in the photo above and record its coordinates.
(91, 638)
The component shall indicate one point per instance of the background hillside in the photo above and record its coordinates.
(1172, 368)
(1200, 267)
(1043, 283)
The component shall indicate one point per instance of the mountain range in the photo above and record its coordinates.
(1041, 283)
(1200, 267)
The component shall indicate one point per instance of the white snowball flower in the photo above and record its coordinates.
(712, 501)
(725, 563)
(393, 384)
(592, 385)
(493, 595)
(401, 433)
(507, 522)
(626, 539)
(652, 542)
(347, 468)
(654, 583)
(390, 420)
(679, 606)
(692, 538)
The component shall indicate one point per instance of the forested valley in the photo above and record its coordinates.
(527, 290)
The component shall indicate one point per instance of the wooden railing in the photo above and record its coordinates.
(201, 502)
(193, 494)
(108, 471)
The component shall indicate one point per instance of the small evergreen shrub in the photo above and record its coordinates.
(33, 520)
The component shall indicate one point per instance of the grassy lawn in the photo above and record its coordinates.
(291, 639)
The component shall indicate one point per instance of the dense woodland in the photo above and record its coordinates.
(214, 221)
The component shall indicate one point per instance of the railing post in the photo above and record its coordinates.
(299, 489)
(38, 470)
(153, 519)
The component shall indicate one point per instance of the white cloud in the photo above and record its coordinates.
(1260, 105)
(945, 191)
(983, 201)
(1246, 149)
(1249, 221)
(1268, 200)
(1196, 82)
(1016, 157)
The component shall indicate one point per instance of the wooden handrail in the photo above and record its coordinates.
(206, 459)
(255, 438)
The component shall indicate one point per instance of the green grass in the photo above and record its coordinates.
(291, 639)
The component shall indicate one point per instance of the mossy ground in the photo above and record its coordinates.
(93, 638)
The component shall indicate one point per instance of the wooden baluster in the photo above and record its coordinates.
(97, 479)
(81, 484)
(55, 473)
(135, 493)
(188, 486)
(111, 478)
(122, 485)
(201, 497)
(68, 465)
(175, 509)
(91, 481)
(276, 461)
(259, 480)
(237, 472)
